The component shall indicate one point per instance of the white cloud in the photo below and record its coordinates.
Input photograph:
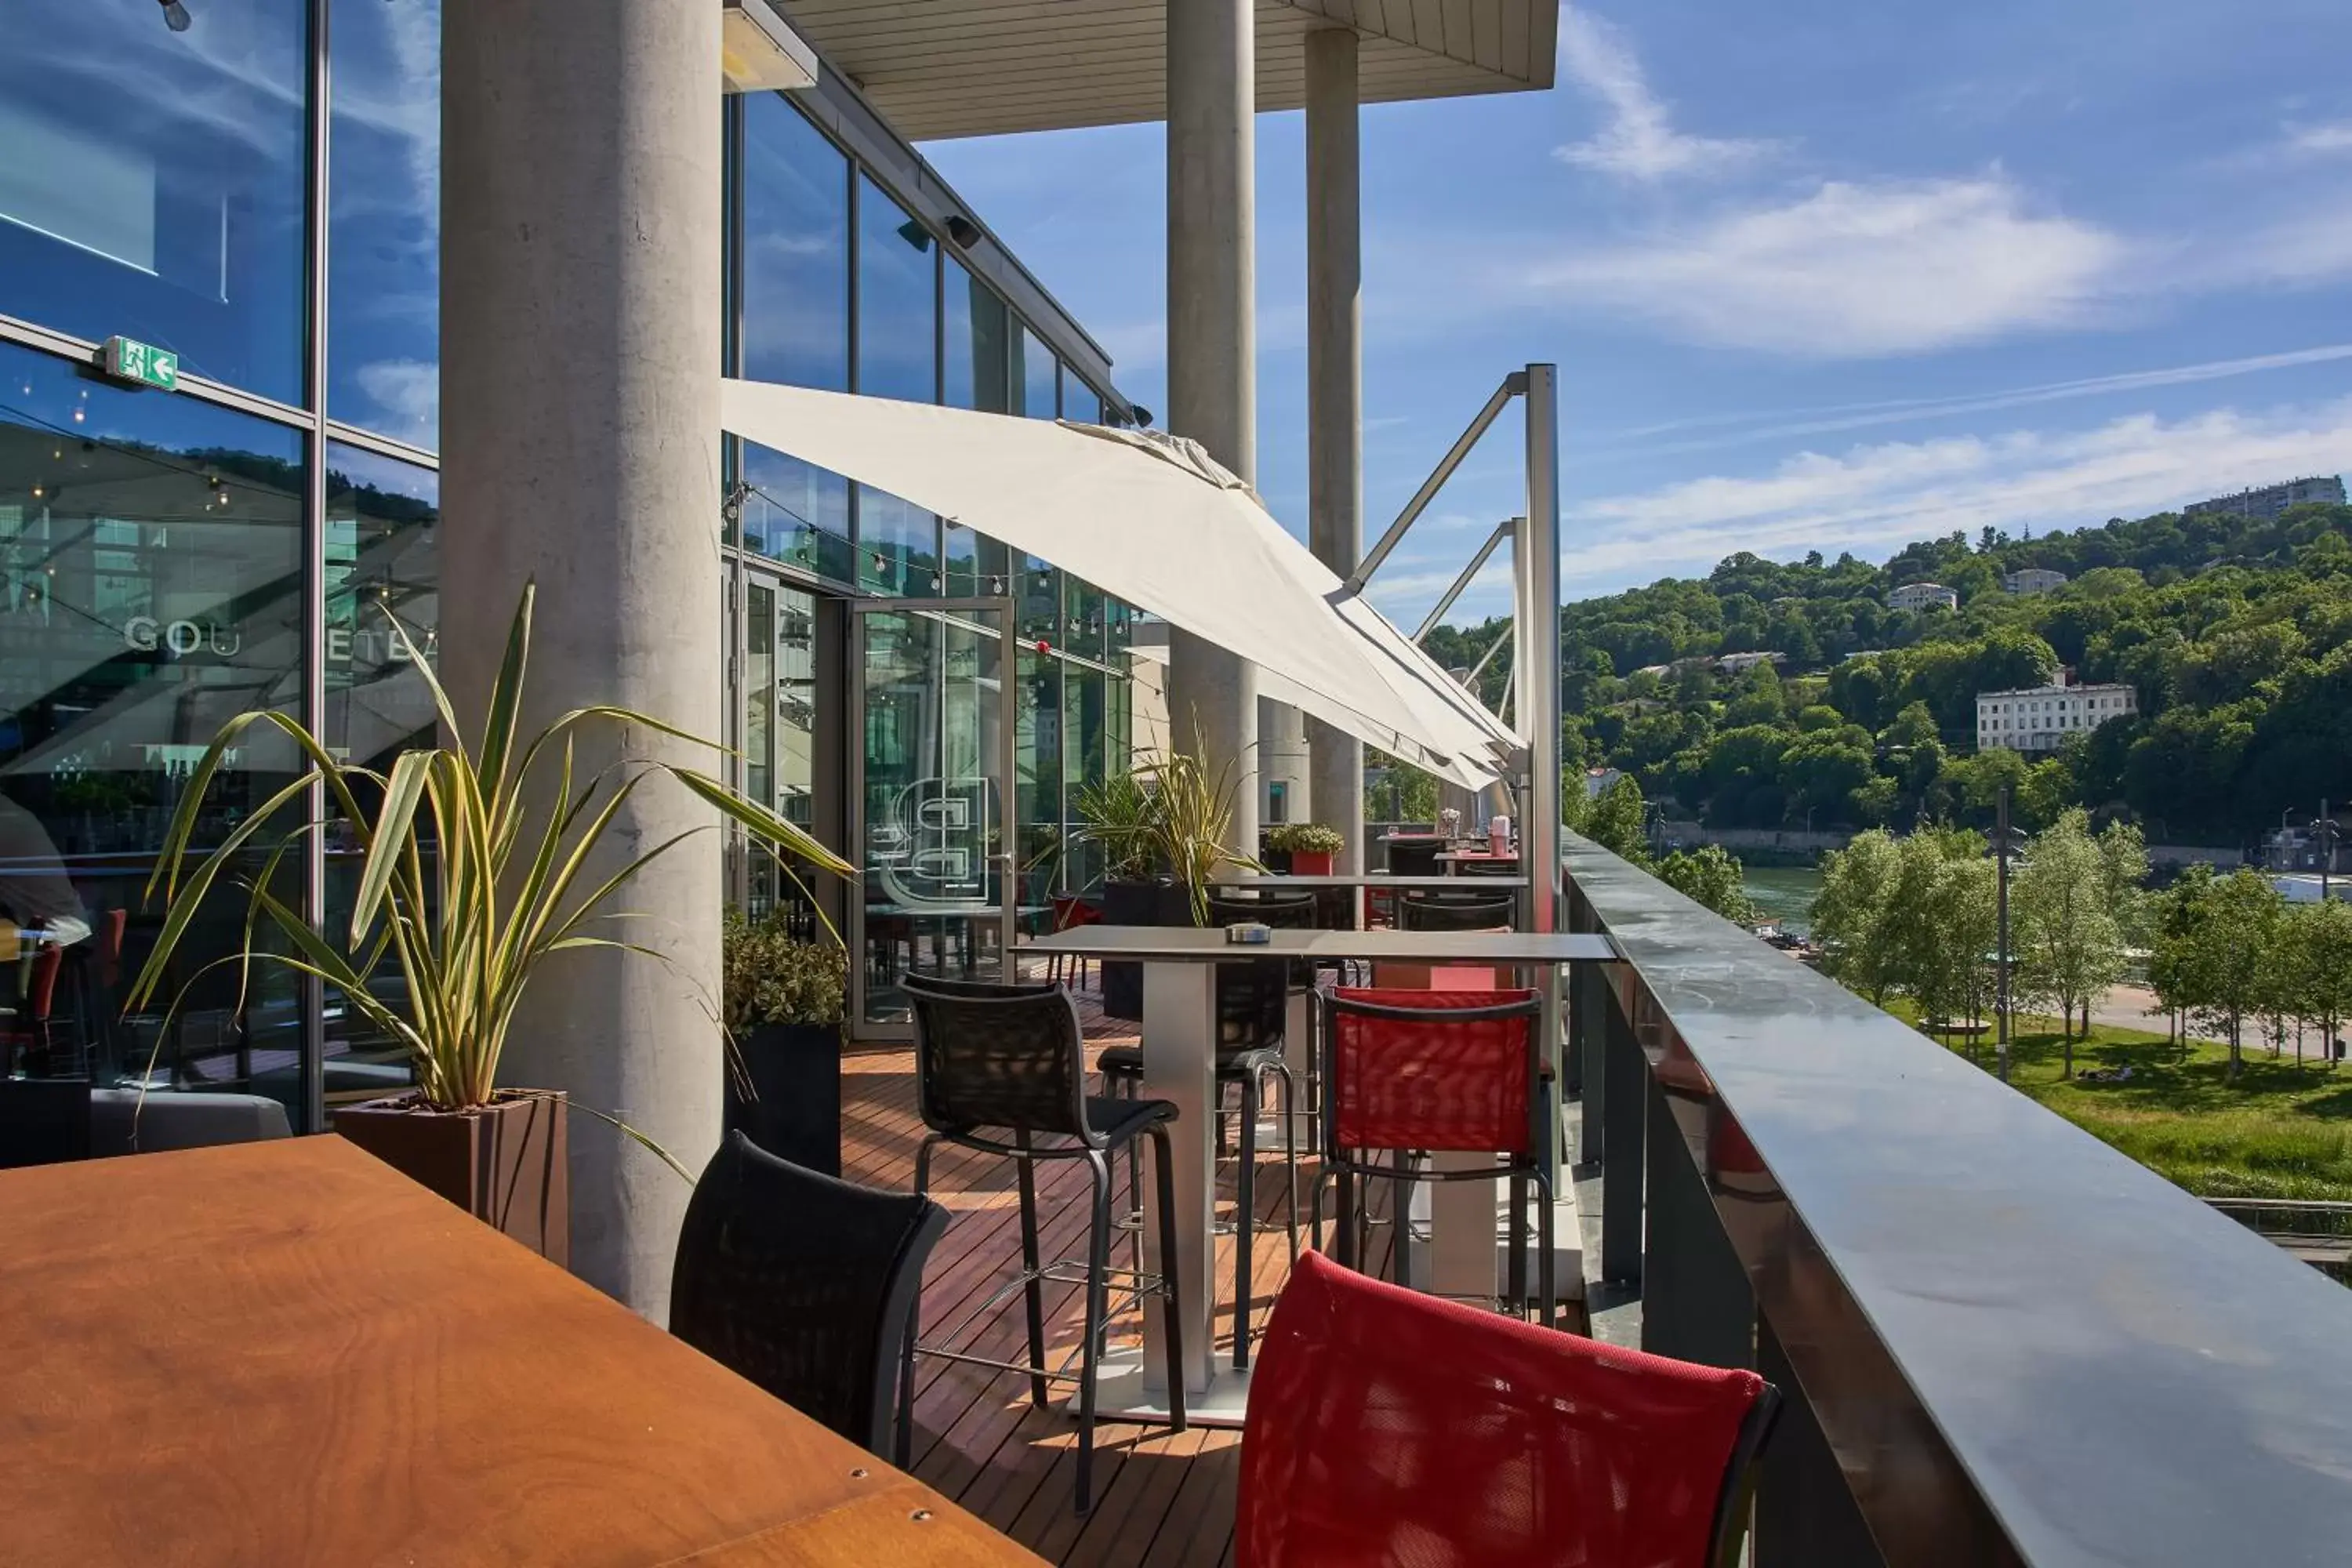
(2320, 139)
(1874, 499)
(1639, 141)
(406, 394)
(1856, 269)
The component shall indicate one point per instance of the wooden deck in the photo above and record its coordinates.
(1160, 1500)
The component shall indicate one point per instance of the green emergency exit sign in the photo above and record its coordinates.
(130, 359)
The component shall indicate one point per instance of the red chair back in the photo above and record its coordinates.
(42, 996)
(1071, 912)
(1433, 1069)
(109, 945)
(1386, 1426)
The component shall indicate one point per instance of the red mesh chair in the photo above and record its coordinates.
(1070, 912)
(1413, 1073)
(1390, 1428)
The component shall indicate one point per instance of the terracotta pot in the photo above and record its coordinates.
(792, 1109)
(1311, 862)
(505, 1163)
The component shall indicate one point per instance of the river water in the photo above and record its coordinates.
(1784, 894)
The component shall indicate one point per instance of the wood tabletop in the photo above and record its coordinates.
(287, 1354)
(1193, 944)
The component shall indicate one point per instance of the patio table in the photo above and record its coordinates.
(1179, 1065)
(289, 1352)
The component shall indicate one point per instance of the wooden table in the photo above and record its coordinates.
(287, 1354)
(1179, 1036)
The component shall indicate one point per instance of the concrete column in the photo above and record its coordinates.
(1281, 760)
(1213, 344)
(1335, 390)
(580, 342)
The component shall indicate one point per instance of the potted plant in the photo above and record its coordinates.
(1121, 814)
(1310, 845)
(782, 993)
(473, 881)
(1196, 814)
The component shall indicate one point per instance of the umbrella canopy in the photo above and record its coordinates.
(1155, 521)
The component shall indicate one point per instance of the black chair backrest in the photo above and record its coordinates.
(968, 985)
(1015, 1059)
(802, 1284)
(1285, 910)
(1253, 1003)
(42, 1121)
(1454, 912)
(1493, 866)
(1415, 858)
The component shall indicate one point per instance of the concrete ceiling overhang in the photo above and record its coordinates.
(940, 68)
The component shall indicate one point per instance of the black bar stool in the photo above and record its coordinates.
(998, 1061)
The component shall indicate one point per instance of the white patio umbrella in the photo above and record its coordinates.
(1154, 522)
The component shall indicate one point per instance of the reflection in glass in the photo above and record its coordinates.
(1082, 618)
(1037, 770)
(384, 293)
(1083, 756)
(1079, 401)
(1033, 374)
(933, 801)
(153, 182)
(795, 248)
(897, 356)
(795, 512)
(383, 561)
(976, 564)
(898, 545)
(779, 741)
(973, 336)
(150, 588)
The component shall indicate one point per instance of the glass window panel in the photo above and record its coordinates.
(896, 348)
(975, 564)
(150, 589)
(153, 182)
(1082, 752)
(795, 512)
(1033, 374)
(1040, 596)
(898, 545)
(1079, 401)
(1118, 632)
(384, 283)
(779, 739)
(1082, 618)
(1037, 772)
(795, 249)
(972, 333)
(381, 562)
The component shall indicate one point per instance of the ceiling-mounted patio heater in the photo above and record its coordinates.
(759, 51)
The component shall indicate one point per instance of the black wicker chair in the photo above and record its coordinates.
(1252, 1000)
(1433, 911)
(997, 1068)
(1415, 857)
(803, 1284)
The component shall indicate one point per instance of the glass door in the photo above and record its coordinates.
(933, 696)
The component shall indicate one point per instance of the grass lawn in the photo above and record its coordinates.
(2280, 1131)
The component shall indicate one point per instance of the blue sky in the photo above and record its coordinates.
(1817, 274)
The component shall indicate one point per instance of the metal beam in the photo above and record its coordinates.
(1506, 529)
(1513, 385)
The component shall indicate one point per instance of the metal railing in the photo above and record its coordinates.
(2001, 1341)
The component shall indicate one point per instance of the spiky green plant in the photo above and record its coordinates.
(469, 930)
(1123, 816)
(1195, 814)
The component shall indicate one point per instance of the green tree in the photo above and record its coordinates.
(1713, 876)
(2240, 922)
(2070, 944)
(2321, 942)
(1852, 920)
(1615, 821)
(2175, 971)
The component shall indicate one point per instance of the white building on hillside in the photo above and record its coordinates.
(2039, 718)
(2033, 580)
(1922, 596)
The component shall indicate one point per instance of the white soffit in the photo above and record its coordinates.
(941, 68)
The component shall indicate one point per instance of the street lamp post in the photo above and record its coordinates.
(2001, 943)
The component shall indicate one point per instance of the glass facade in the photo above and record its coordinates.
(160, 554)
